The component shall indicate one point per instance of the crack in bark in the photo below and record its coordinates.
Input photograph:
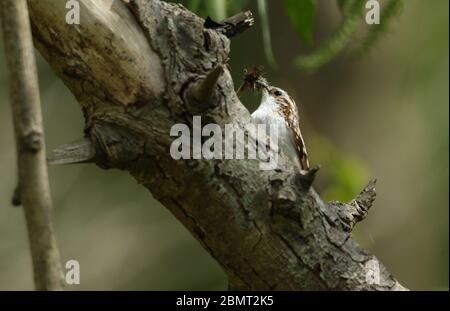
(300, 260)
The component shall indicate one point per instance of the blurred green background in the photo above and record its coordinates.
(384, 114)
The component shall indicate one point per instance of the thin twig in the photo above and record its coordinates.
(33, 177)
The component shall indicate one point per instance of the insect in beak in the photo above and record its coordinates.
(253, 80)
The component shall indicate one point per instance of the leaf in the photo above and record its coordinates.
(301, 14)
(265, 27)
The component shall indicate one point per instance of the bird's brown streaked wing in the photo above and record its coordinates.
(291, 116)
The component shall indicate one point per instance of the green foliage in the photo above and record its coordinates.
(301, 15)
(352, 11)
(336, 42)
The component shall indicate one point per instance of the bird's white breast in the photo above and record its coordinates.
(268, 113)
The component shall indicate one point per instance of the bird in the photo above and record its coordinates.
(279, 109)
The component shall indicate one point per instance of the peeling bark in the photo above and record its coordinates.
(133, 68)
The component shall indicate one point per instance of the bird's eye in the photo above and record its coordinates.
(277, 93)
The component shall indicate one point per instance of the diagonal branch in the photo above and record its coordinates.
(269, 230)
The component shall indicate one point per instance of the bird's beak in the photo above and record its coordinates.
(265, 89)
(261, 84)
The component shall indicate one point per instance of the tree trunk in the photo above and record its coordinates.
(136, 69)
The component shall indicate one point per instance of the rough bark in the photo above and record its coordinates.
(33, 191)
(134, 68)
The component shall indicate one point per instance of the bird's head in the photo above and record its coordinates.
(275, 95)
